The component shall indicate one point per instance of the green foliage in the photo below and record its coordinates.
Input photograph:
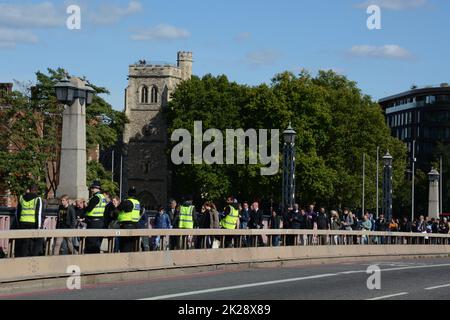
(95, 171)
(336, 124)
(21, 131)
(105, 124)
(32, 125)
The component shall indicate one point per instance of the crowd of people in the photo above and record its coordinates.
(104, 211)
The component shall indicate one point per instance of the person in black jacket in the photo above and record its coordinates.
(112, 213)
(29, 216)
(406, 225)
(323, 223)
(244, 216)
(275, 223)
(381, 225)
(173, 211)
(67, 219)
(203, 222)
(297, 219)
(256, 217)
(256, 222)
(244, 219)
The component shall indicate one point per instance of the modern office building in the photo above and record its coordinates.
(421, 115)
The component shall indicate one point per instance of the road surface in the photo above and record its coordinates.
(400, 279)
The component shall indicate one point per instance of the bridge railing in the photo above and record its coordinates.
(8, 219)
(8, 216)
(203, 238)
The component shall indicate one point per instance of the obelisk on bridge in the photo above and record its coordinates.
(76, 95)
(433, 200)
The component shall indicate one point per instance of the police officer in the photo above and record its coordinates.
(186, 219)
(230, 218)
(128, 218)
(29, 216)
(94, 214)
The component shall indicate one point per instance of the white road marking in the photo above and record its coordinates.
(438, 287)
(243, 286)
(352, 272)
(417, 267)
(389, 296)
(267, 283)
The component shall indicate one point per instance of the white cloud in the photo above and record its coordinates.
(262, 58)
(41, 15)
(109, 14)
(243, 37)
(394, 4)
(160, 32)
(9, 38)
(48, 15)
(390, 51)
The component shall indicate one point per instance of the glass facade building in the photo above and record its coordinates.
(421, 115)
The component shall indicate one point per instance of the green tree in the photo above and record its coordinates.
(95, 171)
(336, 124)
(23, 150)
(32, 125)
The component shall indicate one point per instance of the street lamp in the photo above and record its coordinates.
(67, 92)
(289, 135)
(387, 186)
(387, 159)
(288, 192)
(90, 92)
(434, 175)
(75, 94)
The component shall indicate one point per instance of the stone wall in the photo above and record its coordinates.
(145, 136)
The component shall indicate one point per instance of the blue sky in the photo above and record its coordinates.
(248, 40)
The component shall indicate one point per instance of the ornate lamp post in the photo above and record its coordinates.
(76, 95)
(288, 192)
(387, 186)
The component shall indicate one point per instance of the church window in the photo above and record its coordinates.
(154, 94)
(144, 95)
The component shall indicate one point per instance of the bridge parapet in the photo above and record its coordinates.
(295, 245)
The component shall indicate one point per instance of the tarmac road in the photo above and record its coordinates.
(400, 279)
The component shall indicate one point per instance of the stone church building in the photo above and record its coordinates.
(146, 161)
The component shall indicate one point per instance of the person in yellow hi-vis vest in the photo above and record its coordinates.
(94, 214)
(130, 212)
(230, 219)
(186, 219)
(29, 216)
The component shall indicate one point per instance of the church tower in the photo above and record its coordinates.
(150, 86)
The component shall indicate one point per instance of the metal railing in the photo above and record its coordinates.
(184, 239)
(8, 214)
